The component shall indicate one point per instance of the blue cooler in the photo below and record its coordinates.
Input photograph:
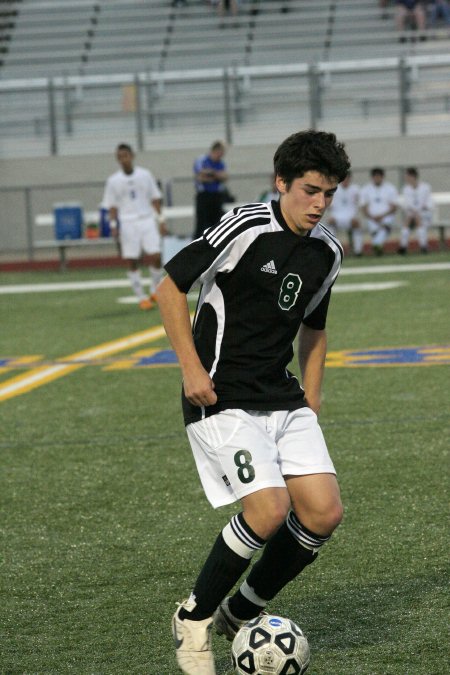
(105, 230)
(68, 221)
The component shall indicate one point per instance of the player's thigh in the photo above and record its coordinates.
(235, 455)
(129, 240)
(301, 444)
(150, 237)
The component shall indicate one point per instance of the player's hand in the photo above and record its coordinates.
(199, 387)
(163, 229)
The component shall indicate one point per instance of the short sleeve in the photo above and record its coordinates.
(154, 191)
(189, 264)
(109, 196)
(318, 318)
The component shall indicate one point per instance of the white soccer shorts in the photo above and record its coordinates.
(343, 221)
(238, 452)
(139, 236)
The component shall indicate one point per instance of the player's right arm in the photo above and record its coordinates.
(111, 202)
(197, 384)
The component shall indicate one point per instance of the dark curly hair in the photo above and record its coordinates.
(311, 151)
(125, 146)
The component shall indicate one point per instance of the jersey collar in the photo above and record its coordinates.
(279, 216)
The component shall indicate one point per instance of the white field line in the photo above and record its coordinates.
(385, 269)
(124, 283)
(380, 286)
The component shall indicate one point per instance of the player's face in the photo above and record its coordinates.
(216, 155)
(125, 159)
(377, 179)
(305, 201)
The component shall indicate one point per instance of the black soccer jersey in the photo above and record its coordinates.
(259, 282)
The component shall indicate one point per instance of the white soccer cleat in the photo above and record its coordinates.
(225, 623)
(193, 644)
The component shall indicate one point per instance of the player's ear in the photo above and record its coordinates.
(280, 184)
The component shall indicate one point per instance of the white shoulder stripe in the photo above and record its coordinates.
(232, 220)
(233, 225)
(322, 230)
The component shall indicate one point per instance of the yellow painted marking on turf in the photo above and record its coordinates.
(129, 362)
(15, 362)
(44, 374)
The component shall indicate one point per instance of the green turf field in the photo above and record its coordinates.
(104, 524)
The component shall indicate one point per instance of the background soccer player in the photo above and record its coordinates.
(133, 196)
(266, 272)
(379, 202)
(417, 210)
(343, 214)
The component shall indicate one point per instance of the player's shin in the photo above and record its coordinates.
(156, 274)
(136, 283)
(422, 237)
(285, 555)
(229, 558)
(357, 241)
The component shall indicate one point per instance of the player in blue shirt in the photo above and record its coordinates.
(210, 177)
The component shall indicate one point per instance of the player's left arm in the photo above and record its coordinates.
(221, 175)
(312, 350)
(157, 206)
(393, 203)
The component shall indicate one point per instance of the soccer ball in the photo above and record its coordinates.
(270, 645)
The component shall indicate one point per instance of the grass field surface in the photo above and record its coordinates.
(104, 524)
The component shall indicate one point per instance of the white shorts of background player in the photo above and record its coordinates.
(139, 235)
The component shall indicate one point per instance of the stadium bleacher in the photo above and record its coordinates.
(105, 38)
(53, 37)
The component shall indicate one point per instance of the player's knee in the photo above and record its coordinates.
(278, 515)
(268, 517)
(323, 522)
(273, 519)
(331, 518)
(334, 516)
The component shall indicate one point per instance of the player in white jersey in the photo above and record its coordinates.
(133, 197)
(379, 202)
(417, 210)
(343, 213)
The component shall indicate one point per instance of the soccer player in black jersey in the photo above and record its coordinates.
(266, 273)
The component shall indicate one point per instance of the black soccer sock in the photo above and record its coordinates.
(229, 558)
(285, 555)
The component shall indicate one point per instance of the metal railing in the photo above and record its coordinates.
(78, 114)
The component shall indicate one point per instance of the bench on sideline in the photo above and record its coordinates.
(48, 220)
(173, 212)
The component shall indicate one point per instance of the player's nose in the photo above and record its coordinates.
(319, 201)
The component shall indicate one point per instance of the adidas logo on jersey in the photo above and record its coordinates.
(269, 267)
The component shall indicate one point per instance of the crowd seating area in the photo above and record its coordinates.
(167, 41)
(43, 38)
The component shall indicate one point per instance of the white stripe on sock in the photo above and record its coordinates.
(250, 595)
(235, 543)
